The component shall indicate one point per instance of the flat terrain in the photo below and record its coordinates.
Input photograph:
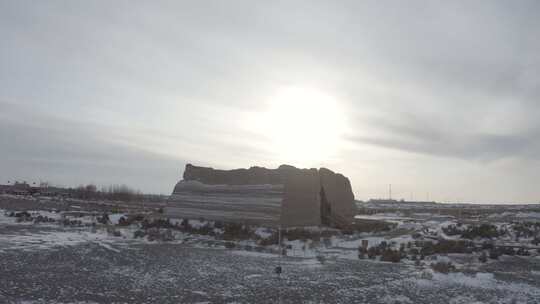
(50, 262)
(46, 264)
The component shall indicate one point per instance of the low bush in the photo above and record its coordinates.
(234, 231)
(218, 225)
(483, 257)
(71, 223)
(526, 229)
(271, 240)
(43, 219)
(130, 219)
(156, 234)
(301, 234)
(390, 255)
(452, 230)
(482, 231)
(523, 252)
(372, 226)
(443, 267)
(229, 245)
(506, 250)
(104, 219)
(444, 247)
(321, 258)
(157, 223)
(139, 234)
(494, 254)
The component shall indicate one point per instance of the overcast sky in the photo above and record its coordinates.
(440, 99)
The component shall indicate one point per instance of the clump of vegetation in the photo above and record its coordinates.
(487, 245)
(321, 258)
(156, 234)
(453, 230)
(114, 232)
(445, 246)
(390, 255)
(71, 223)
(481, 231)
(185, 225)
(104, 219)
(218, 225)
(19, 214)
(483, 257)
(526, 229)
(383, 250)
(301, 234)
(506, 250)
(43, 219)
(130, 219)
(157, 223)
(372, 226)
(271, 240)
(229, 245)
(235, 231)
(443, 267)
(523, 252)
(494, 254)
(139, 234)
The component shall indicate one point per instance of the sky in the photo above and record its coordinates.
(441, 99)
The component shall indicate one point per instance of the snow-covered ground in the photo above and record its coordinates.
(85, 268)
(54, 263)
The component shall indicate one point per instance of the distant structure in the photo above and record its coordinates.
(394, 201)
(23, 188)
(285, 196)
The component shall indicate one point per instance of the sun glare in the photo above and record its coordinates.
(304, 126)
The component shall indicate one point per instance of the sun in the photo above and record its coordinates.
(305, 126)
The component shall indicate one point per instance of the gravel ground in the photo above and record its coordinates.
(22, 203)
(48, 263)
(103, 271)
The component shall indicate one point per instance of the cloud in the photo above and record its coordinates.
(424, 137)
(132, 90)
(69, 153)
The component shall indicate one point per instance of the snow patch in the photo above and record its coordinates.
(115, 217)
(254, 254)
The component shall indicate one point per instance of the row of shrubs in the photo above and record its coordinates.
(474, 231)
(25, 216)
(362, 225)
(227, 231)
(494, 254)
(420, 249)
(230, 231)
(527, 230)
(489, 231)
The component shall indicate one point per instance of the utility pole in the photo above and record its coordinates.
(390, 191)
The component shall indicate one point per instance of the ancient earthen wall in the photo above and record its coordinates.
(251, 204)
(301, 202)
(339, 195)
(285, 195)
(251, 176)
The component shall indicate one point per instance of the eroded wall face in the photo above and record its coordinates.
(339, 195)
(301, 201)
(287, 195)
(250, 204)
(251, 176)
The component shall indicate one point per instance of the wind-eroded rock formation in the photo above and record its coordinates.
(287, 195)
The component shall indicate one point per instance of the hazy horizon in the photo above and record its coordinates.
(439, 99)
